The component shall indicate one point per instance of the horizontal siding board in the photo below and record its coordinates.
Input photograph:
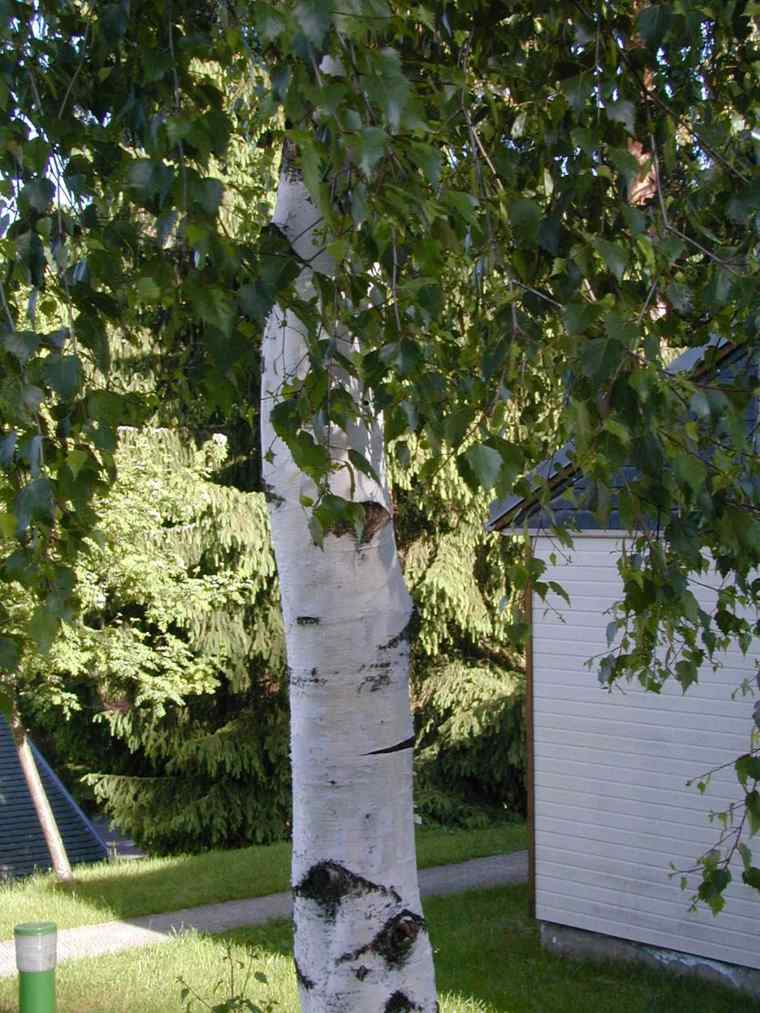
(632, 798)
(670, 846)
(585, 691)
(646, 881)
(656, 727)
(670, 820)
(616, 769)
(608, 922)
(657, 903)
(612, 808)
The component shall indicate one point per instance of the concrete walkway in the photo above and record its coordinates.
(113, 937)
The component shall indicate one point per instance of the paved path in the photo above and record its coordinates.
(112, 937)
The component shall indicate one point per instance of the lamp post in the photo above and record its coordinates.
(36, 944)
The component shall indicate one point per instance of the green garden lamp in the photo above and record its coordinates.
(36, 944)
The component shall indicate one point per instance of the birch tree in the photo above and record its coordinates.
(502, 141)
(361, 942)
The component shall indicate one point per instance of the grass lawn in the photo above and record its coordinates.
(150, 886)
(487, 956)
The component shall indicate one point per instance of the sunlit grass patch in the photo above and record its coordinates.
(488, 960)
(151, 886)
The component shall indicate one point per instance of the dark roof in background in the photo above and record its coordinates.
(22, 845)
(571, 503)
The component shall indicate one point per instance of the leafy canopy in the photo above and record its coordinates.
(510, 192)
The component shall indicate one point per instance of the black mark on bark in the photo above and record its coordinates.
(380, 677)
(304, 981)
(271, 496)
(406, 744)
(400, 1003)
(394, 941)
(308, 621)
(361, 972)
(312, 679)
(328, 883)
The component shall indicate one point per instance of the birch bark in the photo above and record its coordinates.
(361, 941)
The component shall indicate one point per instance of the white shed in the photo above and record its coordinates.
(609, 807)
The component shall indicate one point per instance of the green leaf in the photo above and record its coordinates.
(314, 17)
(463, 203)
(213, 305)
(600, 358)
(43, 627)
(269, 22)
(751, 877)
(747, 766)
(691, 470)
(578, 317)
(63, 374)
(752, 801)
(35, 502)
(360, 462)
(371, 148)
(10, 655)
(311, 457)
(208, 194)
(614, 256)
(429, 160)
(147, 291)
(21, 344)
(714, 882)
(654, 24)
(525, 216)
(485, 463)
(37, 195)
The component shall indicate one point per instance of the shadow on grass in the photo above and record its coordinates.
(488, 958)
(130, 889)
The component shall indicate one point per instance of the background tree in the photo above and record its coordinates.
(178, 656)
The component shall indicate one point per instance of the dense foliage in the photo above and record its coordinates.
(177, 658)
(591, 170)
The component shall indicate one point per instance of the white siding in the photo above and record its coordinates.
(612, 809)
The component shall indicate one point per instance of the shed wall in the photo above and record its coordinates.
(612, 809)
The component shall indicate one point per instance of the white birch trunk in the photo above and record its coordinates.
(361, 943)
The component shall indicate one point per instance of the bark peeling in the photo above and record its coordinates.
(405, 744)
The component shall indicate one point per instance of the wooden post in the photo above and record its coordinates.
(530, 772)
(42, 807)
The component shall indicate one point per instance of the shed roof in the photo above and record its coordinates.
(571, 492)
(22, 845)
